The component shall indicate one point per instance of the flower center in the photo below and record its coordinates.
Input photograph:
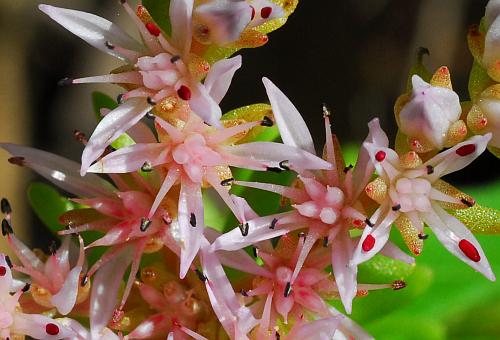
(159, 72)
(194, 154)
(413, 194)
(326, 207)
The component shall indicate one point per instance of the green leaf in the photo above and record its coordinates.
(103, 101)
(48, 204)
(160, 12)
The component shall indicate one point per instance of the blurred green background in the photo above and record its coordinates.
(352, 54)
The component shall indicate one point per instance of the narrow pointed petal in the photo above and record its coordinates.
(220, 76)
(180, 18)
(318, 329)
(205, 106)
(105, 287)
(93, 29)
(6, 279)
(458, 240)
(65, 299)
(393, 251)
(111, 127)
(271, 154)
(364, 167)
(62, 172)
(458, 157)
(293, 129)
(171, 178)
(149, 327)
(141, 133)
(131, 158)
(344, 272)
(190, 204)
(34, 325)
(373, 239)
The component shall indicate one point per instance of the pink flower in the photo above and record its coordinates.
(194, 154)
(14, 322)
(162, 68)
(324, 202)
(414, 192)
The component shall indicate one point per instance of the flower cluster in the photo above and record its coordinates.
(149, 209)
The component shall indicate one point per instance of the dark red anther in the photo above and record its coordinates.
(380, 156)
(253, 13)
(184, 92)
(266, 12)
(466, 150)
(153, 29)
(3, 271)
(357, 223)
(368, 243)
(469, 250)
(52, 329)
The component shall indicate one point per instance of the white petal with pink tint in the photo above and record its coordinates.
(65, 299)
(344, 272)
(93, 29)
(322, 329)
(111, 127)
(131, 158)
(62, 172)
(180, 17)
(293, 129)
(219, 78)
(205, 106)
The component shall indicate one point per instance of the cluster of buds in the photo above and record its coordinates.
(149, 212)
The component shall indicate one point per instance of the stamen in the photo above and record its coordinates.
(423, 236)
(192, 220)
(430, 169)
(19, 161)
(145, 223)
(347, 168)
(200, 275)
(357, 223)
(326, 111)
(84, 281)
(65, 81)
(151, 101)
(80, 136)
(301, 234)
(274, 169)
(325, 241)
(288, 289)
(109, 45)
(244, 228)
(51, 329)
(396, 207)
(255, 252)
(8, 261)
(147, 167)
(368, 243)
(166, 219)
(153, 29)
(26, 287)
(266, 12)
(398, 284)
(244, 292)
(277, 335)
(369, 223)
(469, 250)
(119, 98)
(175, 58)
(285, 165)
(184, 92)
(227, 182)
(380, 156)
(53, 247)
(6, 227)
(465, 150)
(266, 121)
(150, 115)
(6, 208)
(273, 223)
(467, 203)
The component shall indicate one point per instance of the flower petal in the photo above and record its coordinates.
(93, 29)
(393, 251)
(141, 133)
(344, 272)
(61, 171)
(65, 299)
(364, 167)
(451, 233)
(180, 18)
(111, 127)
(293, 129)
(271, 154)
(6, 279)
(219, 78)
(205, 106)
(34, 325)
(131, 158)
(318, 329)
(105, 287)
